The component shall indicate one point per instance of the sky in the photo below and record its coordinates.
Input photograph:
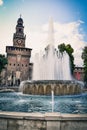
(69, 22)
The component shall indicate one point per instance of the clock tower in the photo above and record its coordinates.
(18, 68)
(19, 37)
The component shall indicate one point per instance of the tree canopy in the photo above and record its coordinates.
(69, 50)
(84, 57)
(3, 62)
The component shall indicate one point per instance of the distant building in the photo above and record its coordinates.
(18, 57)
(79, 73)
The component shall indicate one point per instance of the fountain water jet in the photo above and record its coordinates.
(52, 65)
(52, 100)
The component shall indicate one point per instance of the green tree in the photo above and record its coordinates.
(62, 47)
(3, 62)
(69, 50)
(84, 57)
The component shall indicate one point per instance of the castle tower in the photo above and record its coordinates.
(18, 56)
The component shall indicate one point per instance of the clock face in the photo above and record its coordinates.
(19, 41)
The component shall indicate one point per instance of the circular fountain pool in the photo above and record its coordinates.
(34, 103)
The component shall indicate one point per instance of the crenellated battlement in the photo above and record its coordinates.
(17, 50)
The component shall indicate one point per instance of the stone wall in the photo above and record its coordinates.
(38, 121)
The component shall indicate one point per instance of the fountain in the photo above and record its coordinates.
(51, 71)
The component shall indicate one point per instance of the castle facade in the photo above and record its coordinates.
(18, 68)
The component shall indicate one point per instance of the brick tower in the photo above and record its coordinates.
(18, 57)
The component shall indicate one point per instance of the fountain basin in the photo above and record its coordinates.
(38, 121)
(44, 87)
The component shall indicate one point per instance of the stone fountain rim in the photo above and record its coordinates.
(52, 82)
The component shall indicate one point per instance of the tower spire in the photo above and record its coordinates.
(20, 15)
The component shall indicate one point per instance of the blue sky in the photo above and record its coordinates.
(35, 13)
(40, 10)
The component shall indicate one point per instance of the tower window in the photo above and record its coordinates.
(20, 30)
(14, 64)
(26, 65)
(19, 23)
(18, 64)
(10, 64)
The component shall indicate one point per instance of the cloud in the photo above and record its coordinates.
(1, 2)
(68, 33)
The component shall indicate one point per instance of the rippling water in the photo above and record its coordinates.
(32, 103)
